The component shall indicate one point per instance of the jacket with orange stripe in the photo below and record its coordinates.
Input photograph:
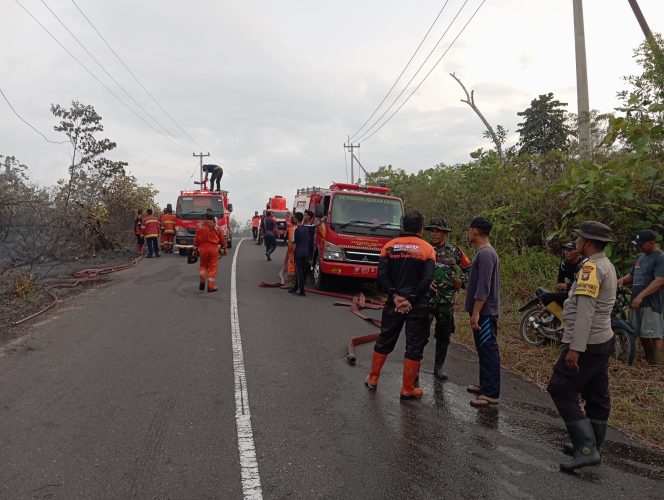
(150, 227)
(167, 222)
(406, 268)
(208, 234)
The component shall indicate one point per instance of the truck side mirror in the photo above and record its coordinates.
(230, 207)
(320, 211)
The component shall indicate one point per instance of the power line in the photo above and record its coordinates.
(94, 76)
(427, 75)
(101, 66)
(136, 78)
(396, 99)
(27, 123)
(402, 72)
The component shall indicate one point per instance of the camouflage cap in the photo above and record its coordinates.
(438, 223)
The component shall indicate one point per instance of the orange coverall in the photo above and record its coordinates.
(208, 239)
(167, 223)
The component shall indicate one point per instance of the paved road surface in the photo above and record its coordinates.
(128, 391)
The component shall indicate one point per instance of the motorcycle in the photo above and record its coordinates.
(540, 324)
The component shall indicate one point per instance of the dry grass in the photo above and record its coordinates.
(637, 391)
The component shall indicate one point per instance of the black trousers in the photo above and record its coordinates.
(153, 245)
(270, 242)
(417, 330)
(559, 297)
(301, 270)
(216, 176)
(254, 232)
(591, 382)
(444, 317)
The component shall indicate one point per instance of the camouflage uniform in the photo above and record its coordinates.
(441, 302)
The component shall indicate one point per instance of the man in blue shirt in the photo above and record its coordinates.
(217, 173)
(302, 249)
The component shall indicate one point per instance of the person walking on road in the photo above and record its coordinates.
(405, 271)
(150, 231)
(451, 273)
(255, 223)
(301, 254)
(167, 223)
(138, 231)
(483, 306)
(583, 366)
(209, 243)
(216, 174)
(647, 280)
(270, 235)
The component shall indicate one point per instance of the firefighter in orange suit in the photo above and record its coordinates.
(167, 223)
(209, 243)
(150, 230)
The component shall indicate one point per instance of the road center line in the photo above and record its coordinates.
(251, 481)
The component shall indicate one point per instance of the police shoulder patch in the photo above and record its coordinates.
(587, 282)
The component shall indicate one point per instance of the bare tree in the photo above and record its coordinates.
(470, 100)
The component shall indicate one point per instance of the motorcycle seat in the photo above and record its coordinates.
(541, 291)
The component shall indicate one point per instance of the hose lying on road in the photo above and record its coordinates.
(356, 304)
(82, 276)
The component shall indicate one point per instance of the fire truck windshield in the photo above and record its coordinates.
(194, 207)
(279, 214)
(360, 214)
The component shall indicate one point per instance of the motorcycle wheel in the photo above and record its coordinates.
(625, 347)
(528, 334)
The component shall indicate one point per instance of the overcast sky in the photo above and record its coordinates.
(272, 88)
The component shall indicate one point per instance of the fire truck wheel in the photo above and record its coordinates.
(319, 280)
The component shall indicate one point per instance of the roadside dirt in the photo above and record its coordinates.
(33, 297)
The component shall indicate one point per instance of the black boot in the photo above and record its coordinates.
(585, 449)
(599, 429)
(441, 354)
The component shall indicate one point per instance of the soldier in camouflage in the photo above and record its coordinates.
(451, 273)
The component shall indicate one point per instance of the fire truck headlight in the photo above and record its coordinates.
(333, 252)
(180, 231)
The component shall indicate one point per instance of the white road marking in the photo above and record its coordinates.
(251, 481)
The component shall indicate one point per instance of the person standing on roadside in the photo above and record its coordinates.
(405, 272)
(138, 231)
(209, 243)
(255, 223)
(587, 344)
(301, 254)
(150, 231)
(289, 282)
(483, 306)
(647, 280)
(167, 223)
(270, 235)
(451, 273)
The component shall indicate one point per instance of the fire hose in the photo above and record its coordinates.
(356, 303)
(82, 276)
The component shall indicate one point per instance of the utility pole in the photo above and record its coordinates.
(351, 147)
(583, 101)
(656, 50)
(200, 170)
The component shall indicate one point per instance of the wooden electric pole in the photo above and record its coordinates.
(351, 147)
(582, 99)
(200, 170)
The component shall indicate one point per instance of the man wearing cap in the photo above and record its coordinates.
(446, 281)
(583, 366)
(569, 266)
(483, 306)
(647, 280)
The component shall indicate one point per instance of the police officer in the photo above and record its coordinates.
(451, 273)
(583, 365)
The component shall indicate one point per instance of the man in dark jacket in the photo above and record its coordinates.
(405, 272)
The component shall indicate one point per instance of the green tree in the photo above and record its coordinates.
(544, 126)
(80, 123)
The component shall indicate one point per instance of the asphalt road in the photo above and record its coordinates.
(129, 390)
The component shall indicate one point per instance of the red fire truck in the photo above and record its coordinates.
(277, 205)
(191, 209)
(358, 221)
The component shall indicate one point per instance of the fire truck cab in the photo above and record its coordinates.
(277, 205)
(190, 210)
(358, 222)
